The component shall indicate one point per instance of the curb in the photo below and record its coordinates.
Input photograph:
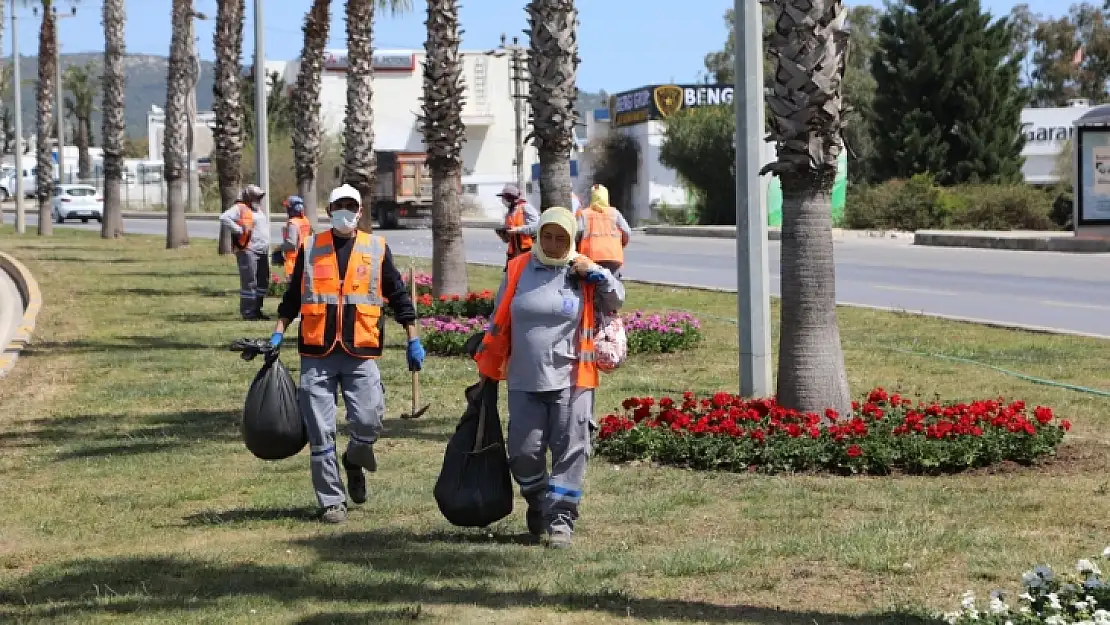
(1018, 240)
(32, 295)
(773, 234)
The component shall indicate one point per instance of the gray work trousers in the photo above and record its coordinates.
(254, 282)
(558, 421)
(364, 397)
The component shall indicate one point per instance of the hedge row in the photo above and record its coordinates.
(920, 204)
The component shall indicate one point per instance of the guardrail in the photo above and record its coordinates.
(32, 304)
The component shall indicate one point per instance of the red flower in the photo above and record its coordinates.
(854, 451)
(1065, 425)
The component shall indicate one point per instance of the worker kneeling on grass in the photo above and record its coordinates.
(542, 341)
(341, 281)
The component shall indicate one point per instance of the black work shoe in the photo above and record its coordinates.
(534, 519)
(334, 514)
(356, 481)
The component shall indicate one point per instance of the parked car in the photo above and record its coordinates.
(77, 201)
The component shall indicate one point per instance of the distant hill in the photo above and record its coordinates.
(146, 85)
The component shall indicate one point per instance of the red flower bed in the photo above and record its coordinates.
(883, 433)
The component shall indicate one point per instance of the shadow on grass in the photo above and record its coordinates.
(433, 430)
(227, 317)
(383, 567)
(55, 258)
(208, 518)
(202, 291)
(98, 436)
(122, 343)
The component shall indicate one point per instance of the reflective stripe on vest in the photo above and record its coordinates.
(601, 238)
(246, 222)
(347, 311)
(493, 353)
(518, 243)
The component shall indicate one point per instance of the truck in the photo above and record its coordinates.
(402, 190)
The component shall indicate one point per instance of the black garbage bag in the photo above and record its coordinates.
(474, 488)
(272, 425)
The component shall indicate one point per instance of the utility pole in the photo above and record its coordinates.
(519, 93)
(193, 189)
(17, 95)
(260, 130)
(60, 116)
(752, 280)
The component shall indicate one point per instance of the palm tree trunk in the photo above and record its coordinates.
(177, 121)
(228, 106)
(358, 160)
(84, 163)
(811, 372)
(113, 124)
(48, 62)
(306, 103)
(553, 67)
(448, 251)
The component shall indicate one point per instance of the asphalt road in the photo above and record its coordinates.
(1069, 292)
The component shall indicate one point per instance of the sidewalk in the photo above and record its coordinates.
(20, 302)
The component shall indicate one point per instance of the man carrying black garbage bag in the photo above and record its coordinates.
(341, 281)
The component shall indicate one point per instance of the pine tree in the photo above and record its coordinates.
(948, 100)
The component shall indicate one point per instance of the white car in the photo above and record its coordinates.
(77, 201)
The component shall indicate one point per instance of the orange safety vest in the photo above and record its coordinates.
(518, 243)
(304, 230)
(246, 222)
(344, 312)
(602, 240)
(493, 354)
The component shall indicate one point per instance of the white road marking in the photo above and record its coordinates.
(1074, 305)
(908, 289)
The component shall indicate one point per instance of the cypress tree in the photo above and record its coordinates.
(948, 100)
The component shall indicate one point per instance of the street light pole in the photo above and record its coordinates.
(261, 136)
(193, 188)
(752, 280)
(17, 95)
(59, 92)
(518, 94)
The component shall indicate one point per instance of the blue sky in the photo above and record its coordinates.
(624, 43)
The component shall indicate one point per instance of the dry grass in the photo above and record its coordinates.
(129, 497)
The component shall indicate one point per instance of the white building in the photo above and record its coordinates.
(203, 141)
(1048, 133)
(489, 154)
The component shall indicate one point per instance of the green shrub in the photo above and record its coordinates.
(920, 204)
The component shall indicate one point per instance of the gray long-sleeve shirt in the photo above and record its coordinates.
(531, 220)
(260, 232)
(546, 313)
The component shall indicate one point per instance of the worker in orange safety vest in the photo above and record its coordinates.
(294, 234)
(603, 232)
(521, 222)
(249, 224)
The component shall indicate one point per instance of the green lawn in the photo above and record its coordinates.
(128, 496)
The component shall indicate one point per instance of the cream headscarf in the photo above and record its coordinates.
(563, 218)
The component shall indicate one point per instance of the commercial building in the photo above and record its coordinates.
(1048, 134)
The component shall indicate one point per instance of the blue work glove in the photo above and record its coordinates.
(276, 339)
(415, 354)
(594, 276)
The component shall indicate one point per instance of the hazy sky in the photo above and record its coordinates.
(624, 43)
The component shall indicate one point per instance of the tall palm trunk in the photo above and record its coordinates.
(82, 137)
(177, 123)
(228, 106)
(809, 46)
(48, 64)
(444, 135)
(113, 124)
(553, 66)
(358, 136)
(306, 103)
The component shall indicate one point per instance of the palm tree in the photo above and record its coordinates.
(80, 81)
(48, 63)
(808, 44)
(306, 102)
(553, 66)
(228, 106)
(358, 137)
(174, 144)
(444, 135)
(113, 125)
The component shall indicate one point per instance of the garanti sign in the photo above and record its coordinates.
(662, 101)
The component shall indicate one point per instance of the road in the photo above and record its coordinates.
(1069, 292)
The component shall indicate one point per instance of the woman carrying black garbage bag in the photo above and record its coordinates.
(541, 341)
(341, 281)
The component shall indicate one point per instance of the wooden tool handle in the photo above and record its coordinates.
(415, 390)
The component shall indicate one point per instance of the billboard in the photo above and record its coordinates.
(656, 102)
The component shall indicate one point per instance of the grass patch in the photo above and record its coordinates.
(129, 496)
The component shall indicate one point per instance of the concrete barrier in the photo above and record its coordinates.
(1029, 241)
(773, 234)
(31, 305)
